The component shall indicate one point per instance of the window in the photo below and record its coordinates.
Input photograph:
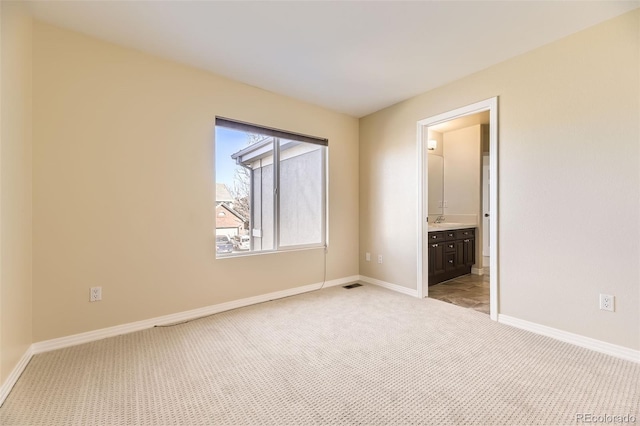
(270, 188)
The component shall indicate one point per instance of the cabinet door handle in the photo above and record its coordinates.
(434, 245)
(450, 245)
(466, 241)
(451, 261)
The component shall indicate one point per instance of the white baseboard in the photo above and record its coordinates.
(15, 374)
(395, 287)
(477, 271)
(342, 281)
(90, 336)
(576, 339)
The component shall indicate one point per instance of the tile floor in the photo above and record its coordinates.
(468, 291)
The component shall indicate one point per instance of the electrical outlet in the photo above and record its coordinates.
(379, 258)
(95, 294)
(367, 257)
(607, 302)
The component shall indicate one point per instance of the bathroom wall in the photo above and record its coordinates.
(435, 164)
(437, 136)
(461, 149)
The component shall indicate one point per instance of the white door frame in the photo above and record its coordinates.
(486, 207)
(490, 105)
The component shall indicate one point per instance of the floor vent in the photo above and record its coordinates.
(350, 286)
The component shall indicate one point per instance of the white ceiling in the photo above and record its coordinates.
(354, 57)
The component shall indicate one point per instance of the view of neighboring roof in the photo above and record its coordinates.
(226, 217)
(255, 151)
(222, 193)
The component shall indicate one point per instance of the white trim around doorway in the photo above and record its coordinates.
(490, 105)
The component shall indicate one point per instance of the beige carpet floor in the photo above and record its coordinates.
(365, 356)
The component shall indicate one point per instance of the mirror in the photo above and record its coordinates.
(436, 184)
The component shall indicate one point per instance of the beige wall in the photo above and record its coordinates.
(123, 186)
(462, 170)
(568, 183)
(15, 187)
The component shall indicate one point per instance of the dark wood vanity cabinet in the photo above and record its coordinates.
(451, 254)
(436, 259)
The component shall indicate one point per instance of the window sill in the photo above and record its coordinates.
(268, 252)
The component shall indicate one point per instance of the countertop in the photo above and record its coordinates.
(448, 226)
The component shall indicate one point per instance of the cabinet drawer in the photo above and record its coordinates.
(436, 236)
(449, 246)
(449, 235)
(450, 261)
(465, 233)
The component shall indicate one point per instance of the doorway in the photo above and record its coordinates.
(487, 223)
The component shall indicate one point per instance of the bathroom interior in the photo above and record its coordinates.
(458, 211)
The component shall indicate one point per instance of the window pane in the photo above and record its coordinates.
(262, 228)
(301, 193)
(238, 207)
(270, 191)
